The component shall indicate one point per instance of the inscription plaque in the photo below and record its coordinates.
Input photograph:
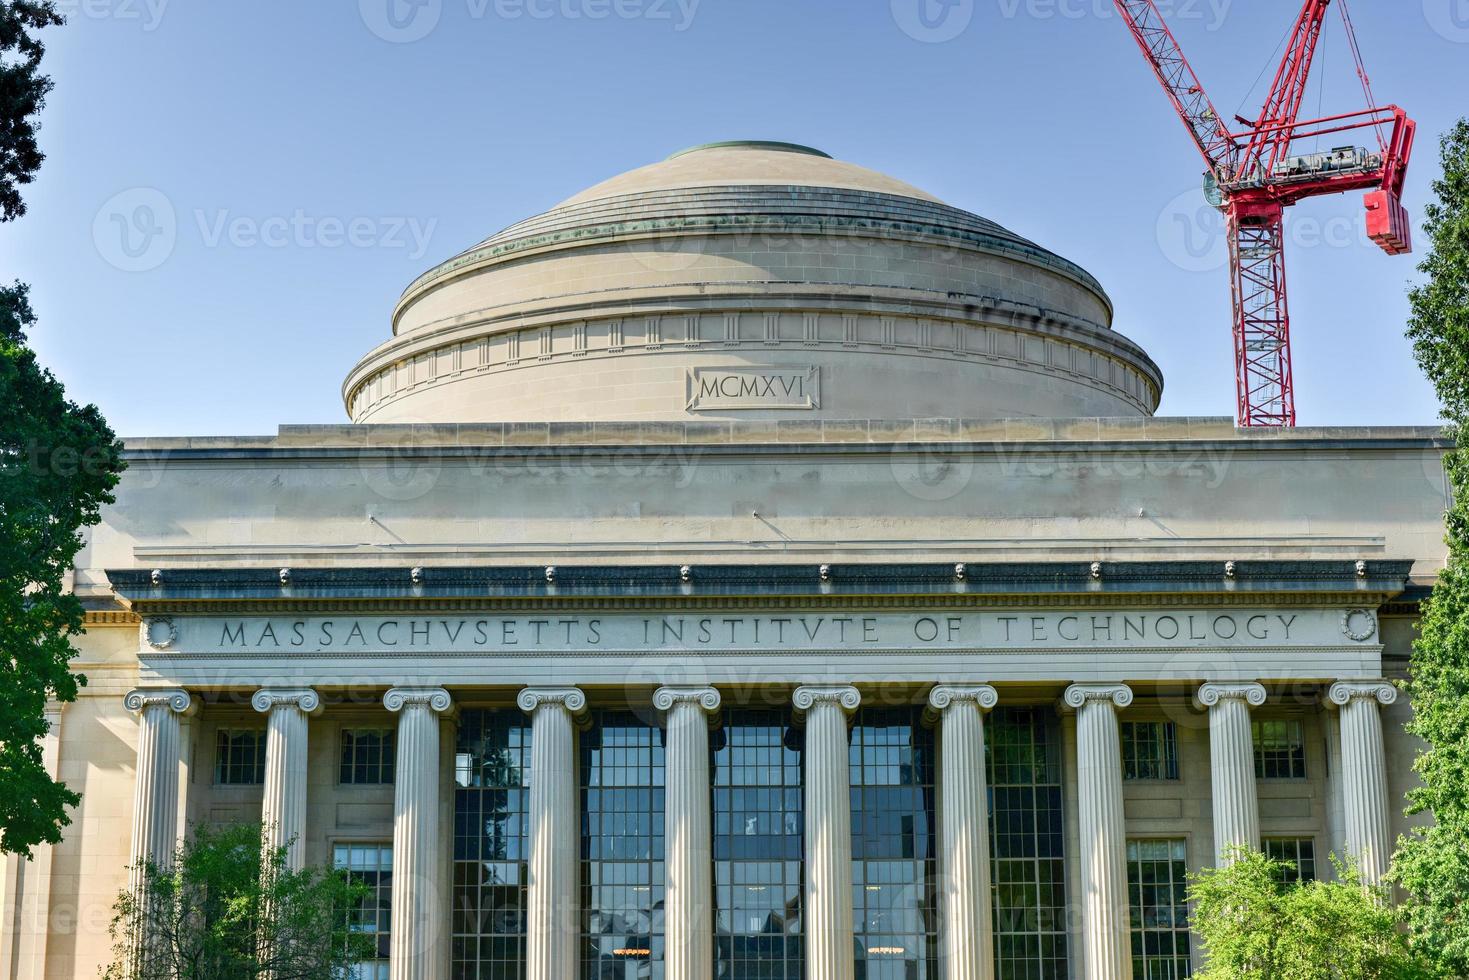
(715, 389)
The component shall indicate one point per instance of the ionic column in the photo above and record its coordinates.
(965, 937)
(688, 890)
(156, 789)
(1232, 765)
(1105, 938)
(420, 921)
(283, 812)
(555, 828)
(827, 914)
(1364, 773)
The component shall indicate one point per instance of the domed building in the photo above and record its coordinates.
(752, 567)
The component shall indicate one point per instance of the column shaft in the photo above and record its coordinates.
(827, 921)
(283, 810)
(551, 905)
(1364, 774)
(1105, 906)
(156, 790)
(419, 923)
(688, 861)
(966, 938)
(1232, 765)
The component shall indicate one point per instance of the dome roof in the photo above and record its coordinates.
(747, 163)
(749, 280)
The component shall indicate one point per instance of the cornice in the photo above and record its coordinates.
(871, 585)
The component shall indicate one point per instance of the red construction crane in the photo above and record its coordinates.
(1254, 176)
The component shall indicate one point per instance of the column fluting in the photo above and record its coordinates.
(283, 809)
(1232, 765)
(1364, 773)
(827, 915)
(156, 789)
(688, 893)
(966, 940)
(552, 928)
(1105, 908)
(420, 923)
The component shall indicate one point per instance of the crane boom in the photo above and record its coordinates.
(1163, 52)
(1274, 129)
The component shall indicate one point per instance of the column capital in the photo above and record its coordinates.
(435, 698)
(175, 699)
(1252, 694)
(844, 696)
(1090, 693)
(569, 699)
(944, 696)
(1343, 693)
(706, 698)
(304, 699)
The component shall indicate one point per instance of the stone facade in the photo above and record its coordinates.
(673, 692)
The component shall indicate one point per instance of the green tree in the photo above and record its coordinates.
(23, 91)
(1432, 863)
(1255, 925)
(58, 465)
(228, 908)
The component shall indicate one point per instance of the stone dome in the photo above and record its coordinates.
(752, 280)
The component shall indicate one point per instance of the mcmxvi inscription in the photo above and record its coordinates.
(712, 389)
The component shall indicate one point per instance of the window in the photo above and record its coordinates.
(1149, 750)
(1280, 749)
(239, 757)
(1157, 878)
(491, 801)
(1298, 854)
(370, 865)
(368, 755)
(622, 848)
(1027, 835)
(893, 848)
(758, 847)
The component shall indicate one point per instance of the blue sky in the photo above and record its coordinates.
(305, 159)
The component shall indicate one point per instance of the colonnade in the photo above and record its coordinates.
(552, 919)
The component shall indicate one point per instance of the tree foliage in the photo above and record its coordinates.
(1432, 863)
(23, 91)
(58, 465)
(229, 908)
(1257, 926)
